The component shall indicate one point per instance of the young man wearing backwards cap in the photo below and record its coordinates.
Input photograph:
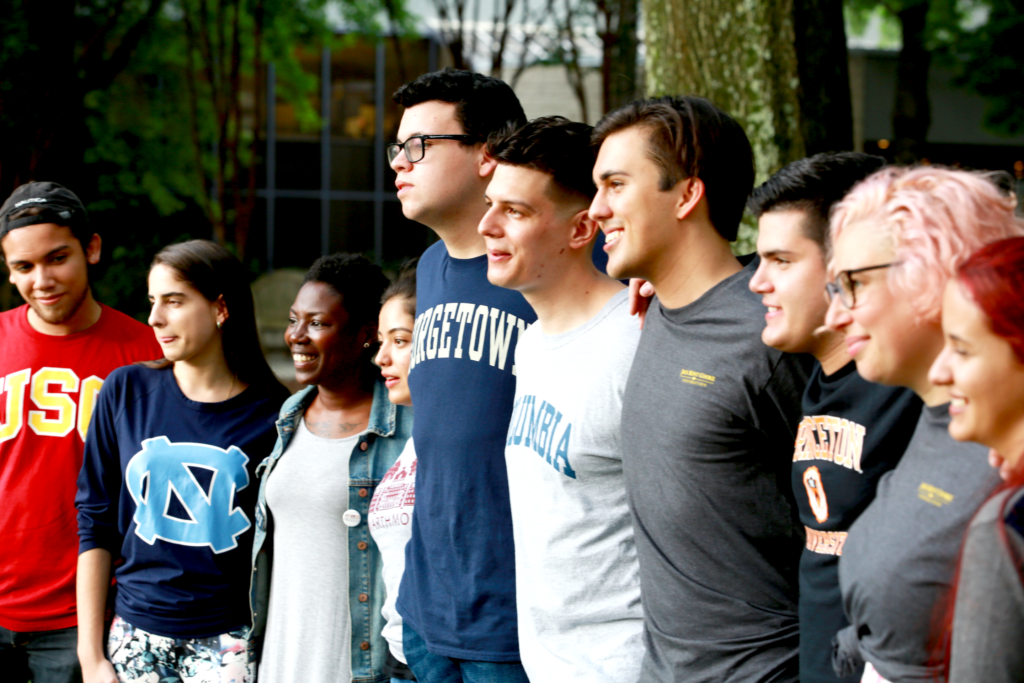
(55, 352)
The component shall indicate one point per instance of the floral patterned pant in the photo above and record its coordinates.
(138, 655)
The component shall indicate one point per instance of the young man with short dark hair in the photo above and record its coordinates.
(457, 596)
(578, 590)
(55, 352)
(709, 412)
(853, 431)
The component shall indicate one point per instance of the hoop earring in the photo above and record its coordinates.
(366, 345)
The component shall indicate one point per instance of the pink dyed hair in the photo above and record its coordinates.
(936, 218)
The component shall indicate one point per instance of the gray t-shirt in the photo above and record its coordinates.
(708, 425)
(900, 555)
(309, 625)
(577, 576)
(988, 625)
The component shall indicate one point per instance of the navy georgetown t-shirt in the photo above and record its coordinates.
(459, 588)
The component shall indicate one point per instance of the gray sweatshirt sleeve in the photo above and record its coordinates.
(988, 622)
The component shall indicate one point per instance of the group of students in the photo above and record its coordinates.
(790, 473)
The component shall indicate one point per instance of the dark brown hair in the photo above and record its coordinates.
(689, 137)
(553, 145)
(404, 286)
(214, 272)
(483, 104)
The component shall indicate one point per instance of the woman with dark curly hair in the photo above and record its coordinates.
(317, 589)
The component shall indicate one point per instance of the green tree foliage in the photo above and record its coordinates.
(979, 39)
(989, 60)
(151, 110)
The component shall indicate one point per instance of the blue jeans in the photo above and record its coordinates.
(40, 656)
(431, 668)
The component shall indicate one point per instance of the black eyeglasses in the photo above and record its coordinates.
(414, 147)
(846, 288)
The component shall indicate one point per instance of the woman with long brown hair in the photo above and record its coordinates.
(168, 483)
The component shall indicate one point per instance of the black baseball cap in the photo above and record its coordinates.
(61, 206)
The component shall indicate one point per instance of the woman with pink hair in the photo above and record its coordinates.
(982, 364)
(897, 238)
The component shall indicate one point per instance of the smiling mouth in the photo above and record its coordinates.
(302, 358)
(613, 235)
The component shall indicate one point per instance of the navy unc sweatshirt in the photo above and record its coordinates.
(168, 484)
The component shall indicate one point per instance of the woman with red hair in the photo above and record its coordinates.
(982, 365)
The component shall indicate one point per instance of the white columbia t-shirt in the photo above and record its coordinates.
(577, 576)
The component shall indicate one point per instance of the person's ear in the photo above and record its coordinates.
(221, 311)
(691, 191)
(93, 249)
(367, 335)
(584, 229)
(485, 162)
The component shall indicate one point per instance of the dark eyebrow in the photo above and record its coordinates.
(608, 174)
(399, 329)
(959, 339)
(775, 252)
(166, 295)
(517, 202)
(50, 253)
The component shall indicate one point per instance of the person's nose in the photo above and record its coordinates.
(760, 284)
(838, 317)
(599, 209)
(940, 374)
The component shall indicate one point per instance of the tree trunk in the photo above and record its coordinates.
(912, 115)
(826, 112)
(620, 76)
(739, 54)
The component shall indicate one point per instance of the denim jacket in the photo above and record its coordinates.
(389, 428)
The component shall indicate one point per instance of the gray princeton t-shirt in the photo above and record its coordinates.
(708, 425)
(577, 577)
(899, 561)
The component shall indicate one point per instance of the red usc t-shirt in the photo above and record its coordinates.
(48, 387)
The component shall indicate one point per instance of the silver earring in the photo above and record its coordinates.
(219, 324)
(366, 345)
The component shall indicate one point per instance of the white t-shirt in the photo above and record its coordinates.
(577, 576)
(309, 627)
(390, 520)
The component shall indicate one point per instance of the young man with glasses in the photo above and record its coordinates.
(458, 593)
(853, 431)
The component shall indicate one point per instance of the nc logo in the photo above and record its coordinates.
(184, 493)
